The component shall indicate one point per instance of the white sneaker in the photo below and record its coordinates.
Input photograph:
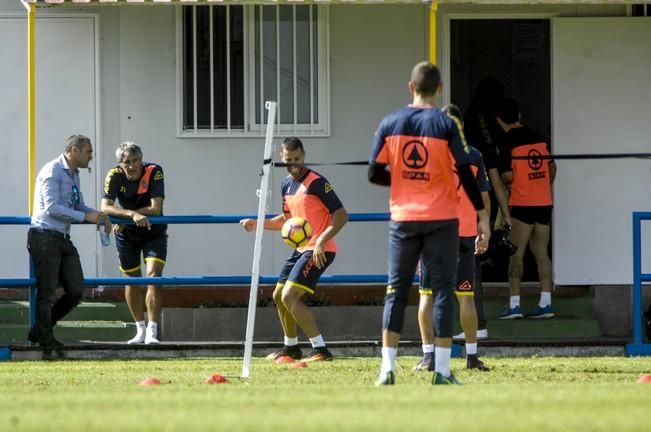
(151, 337)
(138, 338)
(481, 334)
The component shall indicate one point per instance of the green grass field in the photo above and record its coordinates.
(519, 394)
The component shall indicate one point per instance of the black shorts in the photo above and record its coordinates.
(465, 270)
(132, 244)
(299, 270)
(532, 214)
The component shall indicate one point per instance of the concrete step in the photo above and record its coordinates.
(67, 331)
(577, 307)
(17, 312)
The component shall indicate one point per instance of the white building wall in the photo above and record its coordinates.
(220, 176)
(372, 49)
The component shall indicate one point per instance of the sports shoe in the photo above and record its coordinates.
(473, 362)
(138, 338)
(425, 364)
(293, 352)
(151, 338)
(481, 334)
(511, 313)
(319, 354)
(388, 378)
(542, 312)
(438, 379)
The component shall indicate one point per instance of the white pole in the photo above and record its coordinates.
(257, 250)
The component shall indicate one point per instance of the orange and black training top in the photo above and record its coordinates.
(419, 144)
(531, 184)
(135, 194)
(467, 212)
(311, 197)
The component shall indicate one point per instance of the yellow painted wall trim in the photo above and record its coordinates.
(432, 33)
(31, 105)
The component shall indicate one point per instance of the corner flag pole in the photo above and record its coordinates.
(257, 250)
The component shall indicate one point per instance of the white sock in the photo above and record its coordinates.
(291, 341)
(317, 341)
(514, 301)
(428, 348)
(442, 360)
(545, 299)
(471, 348)
(152, 327)
(388, 359)
(140, 326)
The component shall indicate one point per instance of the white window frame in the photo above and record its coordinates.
(320, 126)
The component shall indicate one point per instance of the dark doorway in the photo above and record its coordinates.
(517, 53)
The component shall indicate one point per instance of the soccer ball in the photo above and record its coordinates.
(296, 232)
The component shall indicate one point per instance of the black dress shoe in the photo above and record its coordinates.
(31, 336)
(53, 352)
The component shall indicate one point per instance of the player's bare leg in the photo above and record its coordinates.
(538, 244)
(153, 301)
(426, 327)
(135, 299)
(290, 346)
(286, 319)
(519, 236)
(292, 298)
(468, 318)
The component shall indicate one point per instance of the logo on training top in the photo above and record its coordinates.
(465, 286)
(158, 176)
(535, 162)
(328, 188)
(415, 157)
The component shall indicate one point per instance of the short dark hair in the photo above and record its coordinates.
(426, 78)
(79, 141)
(292, 144)
(508, 110)
(452, 110)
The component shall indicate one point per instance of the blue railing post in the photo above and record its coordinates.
(637, 282)
(638, 347)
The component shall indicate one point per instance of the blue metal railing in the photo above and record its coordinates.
(30, 282)
(638, 347)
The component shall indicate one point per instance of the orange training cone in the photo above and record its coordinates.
(298, 365)
(644, 379)
(150, 381)
(216, 379)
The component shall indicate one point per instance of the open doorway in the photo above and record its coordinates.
(517, 53)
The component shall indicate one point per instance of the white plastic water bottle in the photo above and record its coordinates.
(103, 235)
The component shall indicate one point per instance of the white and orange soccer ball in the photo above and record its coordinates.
(296, 232)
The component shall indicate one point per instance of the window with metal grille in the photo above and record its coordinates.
(234, 58)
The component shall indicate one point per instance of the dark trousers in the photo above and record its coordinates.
(479, 295)
(438, 244)
(56, 262)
